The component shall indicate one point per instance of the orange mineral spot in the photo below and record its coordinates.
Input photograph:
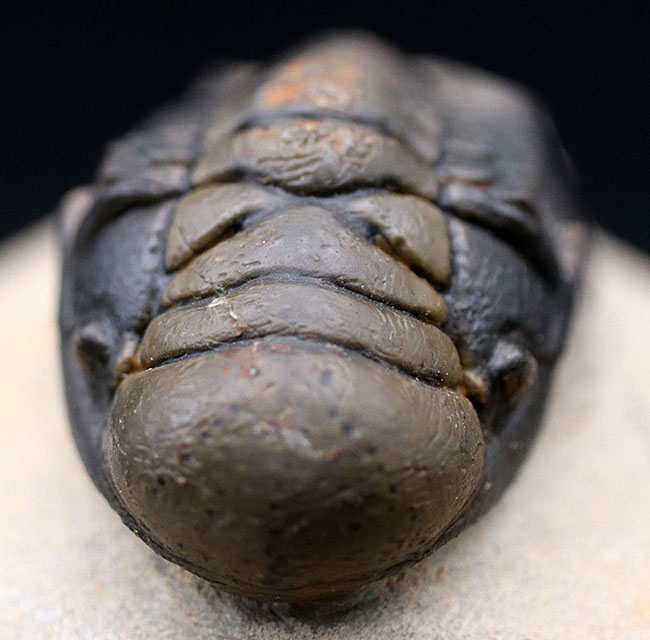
(277, 94)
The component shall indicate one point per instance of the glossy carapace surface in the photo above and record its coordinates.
(310, 313)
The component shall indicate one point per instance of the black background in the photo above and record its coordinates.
(78, 76)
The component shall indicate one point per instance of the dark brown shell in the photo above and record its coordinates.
(309, 316)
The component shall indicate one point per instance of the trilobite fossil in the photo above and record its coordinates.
(310, 313)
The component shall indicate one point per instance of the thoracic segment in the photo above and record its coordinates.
(413, 227)
(203, 215)
(317, 157)
(308, 310)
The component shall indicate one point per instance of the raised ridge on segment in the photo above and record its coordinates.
(308, 241)
(306, 310)
(414, 228)
(316, 157)
(205, 213)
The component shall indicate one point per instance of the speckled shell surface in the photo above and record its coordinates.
(310, 314)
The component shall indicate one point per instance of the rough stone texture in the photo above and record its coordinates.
(564, 554)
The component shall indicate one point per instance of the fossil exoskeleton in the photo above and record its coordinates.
(310, 313)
